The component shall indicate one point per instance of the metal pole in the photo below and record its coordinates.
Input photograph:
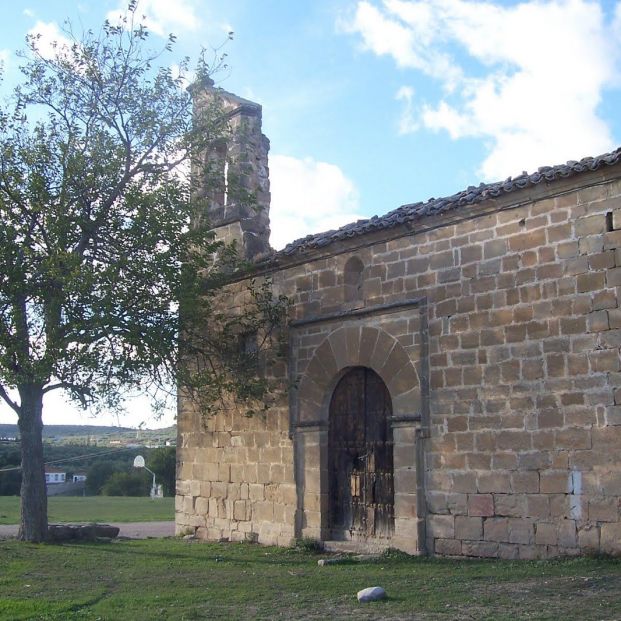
(153, 488)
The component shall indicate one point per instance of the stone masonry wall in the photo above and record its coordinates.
(524, 455)
(512, 447)
(235, 478)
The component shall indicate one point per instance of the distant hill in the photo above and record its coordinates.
(95, 431)
(67, 430)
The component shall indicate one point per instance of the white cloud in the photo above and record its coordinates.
(407, 123)
(409, 43)
(308, 197)
(445, 117)
(49, 38)
(187, 75)
(545, 65)
(162, 16)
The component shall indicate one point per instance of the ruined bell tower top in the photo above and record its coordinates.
(232, 173)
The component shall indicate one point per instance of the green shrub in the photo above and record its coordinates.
(127, 484)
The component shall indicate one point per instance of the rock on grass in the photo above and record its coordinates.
(371, 594)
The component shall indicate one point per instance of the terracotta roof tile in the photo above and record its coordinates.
(469, 196)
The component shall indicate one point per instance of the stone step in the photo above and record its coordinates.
(357, 547)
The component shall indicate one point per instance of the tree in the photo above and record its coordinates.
(99, 243)
(163, 461)
(99, 473)
(127, 484)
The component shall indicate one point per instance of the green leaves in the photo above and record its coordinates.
(102, 243)
(109, 273)
(230, 348)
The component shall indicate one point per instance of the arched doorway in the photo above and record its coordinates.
(360, 457)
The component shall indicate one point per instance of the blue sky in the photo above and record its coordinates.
(370, 104)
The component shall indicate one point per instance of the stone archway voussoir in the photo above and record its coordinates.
(405, 379)
(352, 338)
(310, 390)
(338, 344)
(368, 340)
(383, 348)
(351, 346)
(395, 362)
(321, 369)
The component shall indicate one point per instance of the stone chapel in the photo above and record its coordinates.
(453, 372)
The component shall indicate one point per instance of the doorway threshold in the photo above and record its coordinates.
(357, 547)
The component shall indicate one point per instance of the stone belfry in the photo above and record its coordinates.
(232, 175)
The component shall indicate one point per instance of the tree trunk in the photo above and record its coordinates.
(33, 526)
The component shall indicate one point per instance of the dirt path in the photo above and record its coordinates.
(134, 530)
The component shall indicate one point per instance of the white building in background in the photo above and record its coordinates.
(54, 475)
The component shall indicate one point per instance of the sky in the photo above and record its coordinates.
(371, 104)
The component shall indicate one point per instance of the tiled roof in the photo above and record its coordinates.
(469, 196)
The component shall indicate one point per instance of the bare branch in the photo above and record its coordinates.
(12, 404)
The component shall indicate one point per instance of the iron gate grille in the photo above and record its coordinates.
(360, 457)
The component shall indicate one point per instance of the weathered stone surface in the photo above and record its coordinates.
(371, 594)
(81, 532)
(496, 326)
(611, 538)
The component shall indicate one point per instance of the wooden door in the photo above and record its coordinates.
(360, 457)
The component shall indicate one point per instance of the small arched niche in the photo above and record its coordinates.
(353, 280)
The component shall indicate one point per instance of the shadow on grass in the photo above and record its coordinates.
(220, 555)
(245, 554)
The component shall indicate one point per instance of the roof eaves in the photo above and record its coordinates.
(434, 206)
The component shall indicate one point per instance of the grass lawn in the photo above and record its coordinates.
(95, 509)
(181, 580)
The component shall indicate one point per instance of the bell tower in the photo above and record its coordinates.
(232, 174)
